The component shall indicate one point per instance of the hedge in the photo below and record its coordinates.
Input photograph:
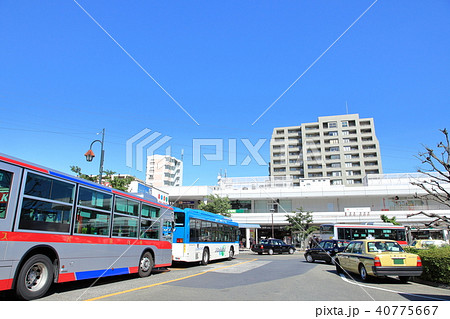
(435, 262)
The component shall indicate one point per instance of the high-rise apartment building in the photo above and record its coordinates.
(164, 170)
(343, 148)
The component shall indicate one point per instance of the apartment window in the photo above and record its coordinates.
(345, 132)
(333, 133)
(337, 173)
(335, 141)
(280, 132)
(344, 123)
(336, 182)
(332, 124)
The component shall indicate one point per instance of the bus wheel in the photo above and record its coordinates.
(145, 265)
(205, 257)
(231, 253)
(35, 277)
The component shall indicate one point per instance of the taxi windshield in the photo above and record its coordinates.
(384, 246)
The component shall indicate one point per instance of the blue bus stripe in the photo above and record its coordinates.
(101, 273)
(81, 181)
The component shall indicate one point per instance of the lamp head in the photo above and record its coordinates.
(89, 155)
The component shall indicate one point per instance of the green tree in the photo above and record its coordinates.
(217, 205)
(77, 170)
(117, 183)
(121, 183)
(300, 224)
(392, 220)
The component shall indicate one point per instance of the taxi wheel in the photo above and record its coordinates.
(291, 251)
(338, 267)
(363, 273)
(404, 279)
(270, 252)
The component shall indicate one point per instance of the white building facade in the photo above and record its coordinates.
(164, 170)
(266, 201)
(343, 148)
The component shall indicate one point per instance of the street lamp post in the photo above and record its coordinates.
(272, 211)
(90, 155)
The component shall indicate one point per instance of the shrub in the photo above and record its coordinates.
(435, 262)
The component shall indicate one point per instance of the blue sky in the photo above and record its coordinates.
(62, 79)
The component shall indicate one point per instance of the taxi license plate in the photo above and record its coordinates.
(399, 261)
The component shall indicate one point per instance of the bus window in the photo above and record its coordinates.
(40, 215)
(47, 204)
(401, 235)
(359, 233)
(94, 199)
(149, 229)
(92, 222)
(49, 188)
(150, 212)
(344, 233)
(5, 187)
(179, 219)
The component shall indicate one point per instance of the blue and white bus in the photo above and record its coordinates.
(202, 236)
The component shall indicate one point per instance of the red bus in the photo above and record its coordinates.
(56, 228)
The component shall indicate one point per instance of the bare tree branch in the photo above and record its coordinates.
(437, 186)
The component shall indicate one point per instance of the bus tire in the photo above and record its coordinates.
(146, 265)
(205, 257)
(231, 253)
(35, 277)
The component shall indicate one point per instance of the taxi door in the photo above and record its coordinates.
(353, 260)
(344, 257)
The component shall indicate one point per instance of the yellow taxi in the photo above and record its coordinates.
(378, 258)
(427, 243)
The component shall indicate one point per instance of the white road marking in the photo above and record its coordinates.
(388, 290)
(239, 269)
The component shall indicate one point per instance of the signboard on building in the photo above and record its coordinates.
(357, 211)
(148, 191)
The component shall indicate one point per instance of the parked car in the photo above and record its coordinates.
(378, 258)
(427, 243)
(273, 246)
(325, 250)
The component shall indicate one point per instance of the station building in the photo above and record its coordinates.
(260, 204)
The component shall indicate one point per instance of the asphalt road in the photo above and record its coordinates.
(248, 277)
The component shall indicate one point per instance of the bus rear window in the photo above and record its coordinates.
(179, 219)
(5, 187)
